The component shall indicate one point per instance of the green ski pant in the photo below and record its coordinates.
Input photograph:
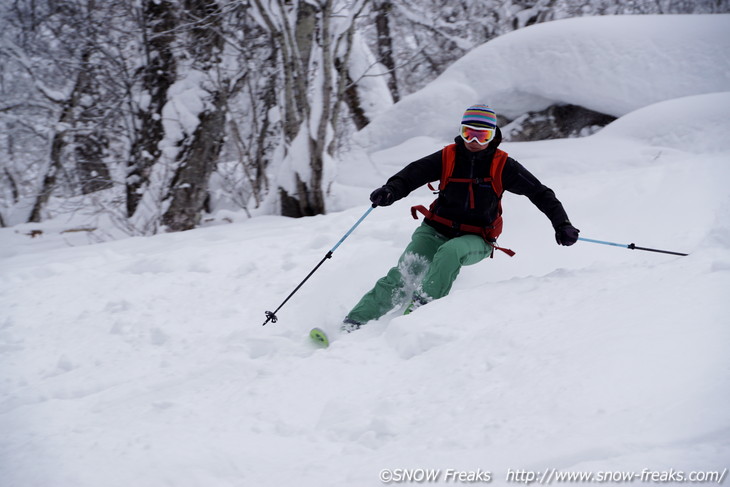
(426, 270)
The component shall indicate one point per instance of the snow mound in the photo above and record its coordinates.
(610, 64)
(683, 123)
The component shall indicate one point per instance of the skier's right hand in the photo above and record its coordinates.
(383, 196)
(566, 234)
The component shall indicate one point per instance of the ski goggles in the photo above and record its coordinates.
(482, 136)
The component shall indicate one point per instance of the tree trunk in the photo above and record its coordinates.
(49, 179)
(55, 163)
(158, 75)
(90, 143)
(301, 53)
(384, 45)
(197, 160)
(90, 150)
(189, 189)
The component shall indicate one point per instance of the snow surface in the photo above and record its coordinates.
(143, 361)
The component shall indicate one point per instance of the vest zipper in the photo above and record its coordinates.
(470, 188)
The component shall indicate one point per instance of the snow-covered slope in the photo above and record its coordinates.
(611, 64)
(143, 361)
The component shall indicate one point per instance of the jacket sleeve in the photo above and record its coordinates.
(516, 179)
(415, 175)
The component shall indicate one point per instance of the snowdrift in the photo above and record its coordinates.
(610, 64)
(688, 123)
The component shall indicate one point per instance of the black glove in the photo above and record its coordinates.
(382, 196)
(566, 234)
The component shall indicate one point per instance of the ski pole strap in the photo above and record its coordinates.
(631, 246)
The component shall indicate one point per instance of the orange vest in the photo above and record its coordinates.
(448, 161)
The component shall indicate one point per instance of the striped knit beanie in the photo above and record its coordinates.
(479, 116)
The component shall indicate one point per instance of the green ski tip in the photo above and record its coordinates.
(319, 337)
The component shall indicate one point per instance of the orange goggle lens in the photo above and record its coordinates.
(481, 136)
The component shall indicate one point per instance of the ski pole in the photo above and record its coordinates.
(630, 246)
(271, 315)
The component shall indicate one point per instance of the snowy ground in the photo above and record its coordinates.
(143, 361)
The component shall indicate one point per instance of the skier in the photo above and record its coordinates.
(463, 223)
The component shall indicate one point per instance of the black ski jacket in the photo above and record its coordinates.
(453, 202)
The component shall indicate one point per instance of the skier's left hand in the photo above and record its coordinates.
(566, 234)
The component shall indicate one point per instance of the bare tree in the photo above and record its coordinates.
(157, 22)
(252, 119)
(77, 144)
(313, 41)
(188, 191)
(384, 43)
